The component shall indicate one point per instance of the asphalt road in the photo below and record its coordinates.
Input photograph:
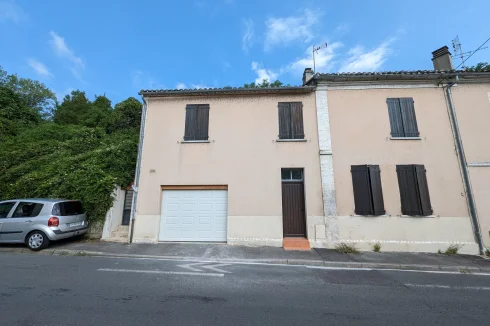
(65, 290)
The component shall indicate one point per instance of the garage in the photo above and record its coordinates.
(194, 215)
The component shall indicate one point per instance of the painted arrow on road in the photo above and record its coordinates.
(196, 267)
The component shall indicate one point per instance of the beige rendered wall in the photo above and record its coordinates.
(360, 131)
(472, 104)
(242, 153)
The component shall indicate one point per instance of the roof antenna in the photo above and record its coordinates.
(316, 49)
(458, 52)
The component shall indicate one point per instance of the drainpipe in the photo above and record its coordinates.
(138, 168)
(464, 168)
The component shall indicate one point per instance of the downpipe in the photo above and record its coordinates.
(464, 169)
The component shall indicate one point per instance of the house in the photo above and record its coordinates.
(238, 166)
(390, 168)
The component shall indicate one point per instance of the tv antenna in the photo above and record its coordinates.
(316, 49)
(458, 52)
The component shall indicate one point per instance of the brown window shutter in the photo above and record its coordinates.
(285, 131)
(426, 208)
(376, 190)
(297, 120)
(396, 122)
(407, 182)
(202, 122)
(408, 116)
(362, 190)
(190, 122)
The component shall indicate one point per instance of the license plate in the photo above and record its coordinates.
(75, 224)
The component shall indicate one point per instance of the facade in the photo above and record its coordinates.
(239, 166)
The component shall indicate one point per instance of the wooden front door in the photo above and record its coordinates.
(293, 209)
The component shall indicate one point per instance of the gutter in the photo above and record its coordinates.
(138, 168)
(464, 167)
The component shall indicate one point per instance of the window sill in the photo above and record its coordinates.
(406, 138)
(419, 216)
(291, 140)
(385, 215)
(194, 141)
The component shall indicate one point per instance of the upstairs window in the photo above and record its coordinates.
(196, 122)
(402, 117)
(291, 120)
(414, 191)
(368, 194)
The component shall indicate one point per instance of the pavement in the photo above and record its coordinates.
(73, 290)
(269, 255)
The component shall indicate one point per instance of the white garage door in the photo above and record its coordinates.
(194, 215)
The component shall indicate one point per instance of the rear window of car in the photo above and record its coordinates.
(68, 208)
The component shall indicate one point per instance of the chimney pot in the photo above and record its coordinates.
(307, 75)
(442, 59)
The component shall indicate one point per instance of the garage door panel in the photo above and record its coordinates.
(194, 215)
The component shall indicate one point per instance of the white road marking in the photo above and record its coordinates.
(434, 286)
(216, 269)
(114, 270)
(213, 267)
(395, 270)
(188, 266)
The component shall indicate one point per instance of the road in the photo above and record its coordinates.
(67, 290)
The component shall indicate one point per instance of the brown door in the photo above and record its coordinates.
(293, 209)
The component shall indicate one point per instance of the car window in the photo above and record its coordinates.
(26, 209)
(68, 208)
(5, 209)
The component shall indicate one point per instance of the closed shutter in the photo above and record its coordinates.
(409, 196)
(408, 116)
(362, 190)
(202, 122)
(376, 190)
(396, 122)
(297, 117)
(426, 208)
(284, 121)
(190, 122)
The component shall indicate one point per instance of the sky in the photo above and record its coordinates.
(119, 47)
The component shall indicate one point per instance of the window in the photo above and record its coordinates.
(5, 209)
(291, 120)
(68, 208)
(291, 174)
(414, 192)
(25, 209)
(402, 117)
(196, 122)
(368, 193)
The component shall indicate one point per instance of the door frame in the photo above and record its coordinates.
(302, 183)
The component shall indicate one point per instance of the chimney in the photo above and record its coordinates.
(307, 75)
(442, 60)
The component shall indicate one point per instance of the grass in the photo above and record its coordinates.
(377, 247)
(464, 271)
(487, 252)
(346, 249)
(451, 250)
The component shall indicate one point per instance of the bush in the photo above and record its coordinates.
(346, 249)
(451, 250)
(377, 247)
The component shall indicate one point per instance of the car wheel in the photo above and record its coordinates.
(37, 240)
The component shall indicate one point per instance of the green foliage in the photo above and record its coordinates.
(346, 249)
(480, 67)
(451, 250)
(126, 115)
(377, 247)
(487, 252)
(265, 84)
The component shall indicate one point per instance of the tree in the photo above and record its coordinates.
(480, 67)
(265, 84)
(126, 115)
(33, 93)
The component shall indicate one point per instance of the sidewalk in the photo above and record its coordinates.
(270, 255)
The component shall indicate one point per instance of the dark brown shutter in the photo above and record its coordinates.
(190, 122)
(396, 122)
(202, 122)
(376, 190)
(284, 120)
(409, 196)
(362, 190)
(297, 123)
(408, 117)
(426, 208)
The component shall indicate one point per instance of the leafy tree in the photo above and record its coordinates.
(480, 67)
(126, 115)
(265, 84)
(33, 93)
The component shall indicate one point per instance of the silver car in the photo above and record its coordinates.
(36, 222)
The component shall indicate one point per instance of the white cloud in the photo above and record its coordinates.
(361, 60)
(39, 68)
(285, 30)
(61, 95)
(263, 73)
(324, 59)
(9, 11)
(181, 86)
(141, 80)
(62, 50)
(201, 85)
(248, 37)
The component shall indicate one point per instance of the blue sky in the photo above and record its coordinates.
(119, 47)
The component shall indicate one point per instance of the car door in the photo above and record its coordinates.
(16, 227)
(5, 209)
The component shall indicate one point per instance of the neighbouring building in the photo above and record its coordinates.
(389, 165)
(239, 166)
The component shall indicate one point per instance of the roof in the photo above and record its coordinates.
(226, 91)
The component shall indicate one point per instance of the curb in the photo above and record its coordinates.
(293, 262)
